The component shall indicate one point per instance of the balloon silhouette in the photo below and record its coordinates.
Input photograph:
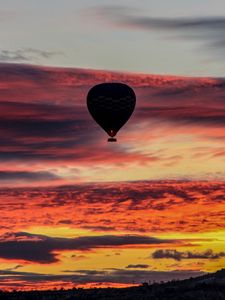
(111, 105)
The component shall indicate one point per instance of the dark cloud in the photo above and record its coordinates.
(65, 221)
(10, 270)
(199, 23)
(209, 30)
(43, 114)
(177, 255)
(30, 129)
(54, 132)
(96, 276)
(40, 248)
(187, 115)
(139, 266)
(27, 176)
(57, 132)
(25, 55)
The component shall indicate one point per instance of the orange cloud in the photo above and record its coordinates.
(61, 182)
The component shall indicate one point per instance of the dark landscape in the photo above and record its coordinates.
(210, 286)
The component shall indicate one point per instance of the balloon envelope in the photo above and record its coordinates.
(111, 105)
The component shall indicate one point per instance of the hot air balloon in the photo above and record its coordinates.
(111, 105)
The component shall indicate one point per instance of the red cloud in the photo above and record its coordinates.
(143, 207)
(44, 120)
(45, 128)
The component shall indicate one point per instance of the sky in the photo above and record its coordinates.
(158, 37)
(78, 211)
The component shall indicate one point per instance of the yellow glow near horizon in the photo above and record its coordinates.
(120, 257)
(68, 232)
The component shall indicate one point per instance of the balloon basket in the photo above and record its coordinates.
(112, 140)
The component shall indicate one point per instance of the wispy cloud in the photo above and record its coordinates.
(20, 278)
(177, 255)
(26, 55)
(208, 30)
(44, 119)
(27, 176)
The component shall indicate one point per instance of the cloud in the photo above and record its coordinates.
(119, 207)
(27, 176)
(138, 266)
(10, 270)
(42, 249)
(44, 119)
(55, 133)
(125, 207)
(99, 228)
(187, 115)
(51, 132)
(25, 55)
(177, 255)
(209, 30)
(16, 278)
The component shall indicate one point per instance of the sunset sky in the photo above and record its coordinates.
(77, 210)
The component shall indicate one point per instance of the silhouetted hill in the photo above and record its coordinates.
(206, 287)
